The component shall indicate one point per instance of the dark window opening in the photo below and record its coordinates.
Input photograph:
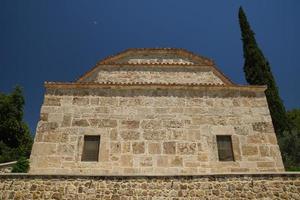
(225, 151)
(90, 148)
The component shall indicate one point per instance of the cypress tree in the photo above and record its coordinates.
(258, 72)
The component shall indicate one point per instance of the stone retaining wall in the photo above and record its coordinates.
(224, 186)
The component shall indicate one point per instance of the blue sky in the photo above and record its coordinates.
(59, 40)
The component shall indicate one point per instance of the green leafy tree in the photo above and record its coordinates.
(15, 137)
(258, 72)
(290, 142)
(294, 118)
(21, 166)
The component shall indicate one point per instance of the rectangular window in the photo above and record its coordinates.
(224, 144)
(90, 148)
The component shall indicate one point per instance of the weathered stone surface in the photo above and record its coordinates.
(126, 160)
(130, 135)
(271, 186)
(169, 147)
(186, 148)
(173, 124)
(47, 126)
(154, 148)
(146, 162)
(138, 147)
(44, 117)
(80, 122)
(66, 120)
(108, 123)
(176, 161)
(249, 150)
(151, 124)
(80, 101)
(115, 147)
(52, 101)
(154, 135)
(130, 124)
(264, 127)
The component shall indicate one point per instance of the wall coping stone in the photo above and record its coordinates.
(96, 176)
(7, 164)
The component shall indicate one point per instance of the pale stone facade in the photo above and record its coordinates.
(154, 118)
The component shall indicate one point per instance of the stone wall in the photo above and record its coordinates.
(154, 131)
(232, 186)
(155, 74)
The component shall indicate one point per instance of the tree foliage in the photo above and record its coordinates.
(290, 142)
(21, 166)
(15, 137)
(258, 72)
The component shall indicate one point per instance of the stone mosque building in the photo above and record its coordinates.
(159, 111)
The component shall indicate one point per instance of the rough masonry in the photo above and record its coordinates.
(230, 186)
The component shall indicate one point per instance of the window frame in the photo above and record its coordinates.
(83, 159)
(231, 146)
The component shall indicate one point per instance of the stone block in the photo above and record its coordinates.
(108, 101)
(186, 148)
(44, 116)
(173, 124)
(66, 150)
(113, 134)
(265, 164)
(130, 135)
(107, 123)
(130, 102)
(263, 127)
(146, 162)
(102, 109)
(241, 130)
(66, 120)
(248, 150)
(154, 148)
(151, 124)
(236, 148)
(52, 137)
(193, 164)
(55, 117)
(138, 147)
(44, 149)
(176, 161)
(115, 147)
(126, 161)
(264, 151)
(178, 134)
(162, 161)
(169, 147)
(52, 101)
(203, 157)
(94, 122)
(80, 101)
(256, 139)
(272, 139)
(126, 147)
(130, 124)
(154, 134)
(80, 122)
(47, 126)
(94, 101)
